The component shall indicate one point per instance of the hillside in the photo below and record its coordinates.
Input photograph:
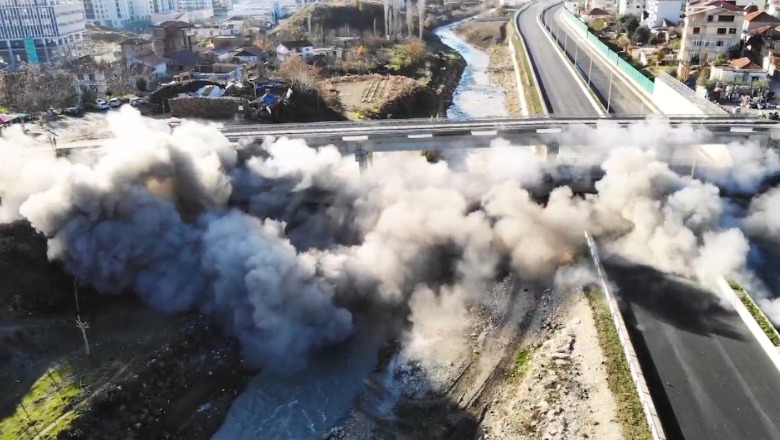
(333, 20)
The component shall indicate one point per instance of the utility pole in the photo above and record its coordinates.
(590, 70)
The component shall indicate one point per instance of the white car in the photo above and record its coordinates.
(101, 104)
(115, 102)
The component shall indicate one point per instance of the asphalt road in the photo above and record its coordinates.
(562, 91)
(622, 100)
(709, 377)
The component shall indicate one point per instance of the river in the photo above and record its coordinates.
(476, 96)
(306, 403)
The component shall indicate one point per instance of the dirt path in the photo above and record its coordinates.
(563, 394)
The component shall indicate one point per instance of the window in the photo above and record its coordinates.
(709, 18)
(725, 19)
(732, 31)
(719, 43)
(696, 30)
(721, 31)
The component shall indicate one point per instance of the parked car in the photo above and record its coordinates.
(115, 102)
(101, 104)
(134, 101)
(73, 111)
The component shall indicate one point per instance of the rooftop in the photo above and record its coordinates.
(174, 24)
(135, 41)
(745, 63)
(761, 17)
(296, 44)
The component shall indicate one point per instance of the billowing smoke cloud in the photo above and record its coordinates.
(283, 247)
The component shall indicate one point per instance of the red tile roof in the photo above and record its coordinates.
(761, 17)
(744, 63)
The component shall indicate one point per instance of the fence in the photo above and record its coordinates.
(636, 75)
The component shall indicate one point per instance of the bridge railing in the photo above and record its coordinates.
(708, 119)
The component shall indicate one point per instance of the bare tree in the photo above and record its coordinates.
(299, 73)
(35, 88)
(421, 16)
(410, 17)
(82, 325)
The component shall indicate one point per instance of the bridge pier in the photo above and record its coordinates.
(363, 158)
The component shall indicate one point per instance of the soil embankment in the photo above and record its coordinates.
(147, 374)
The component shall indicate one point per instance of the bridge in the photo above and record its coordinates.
(363, 138)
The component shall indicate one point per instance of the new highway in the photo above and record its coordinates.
(709, 378)
(564, 96)
(708, 375)
(623, 100)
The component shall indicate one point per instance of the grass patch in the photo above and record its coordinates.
(52, 396)
(631, 415)
(535, 106)
(522, 363)
(769, 330)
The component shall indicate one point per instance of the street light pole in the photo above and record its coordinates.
(590, 70)
(609, 95)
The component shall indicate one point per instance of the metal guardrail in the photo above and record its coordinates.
(389, 123)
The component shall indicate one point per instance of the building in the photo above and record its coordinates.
(117, 13)
(135, 48)
(182, 61)
(758, 19)
(160, 18)
(632, 7)
(659, 10)
(39, 31)
(195, 5)
(711, 28)
(741, 70)
(172, 36)
(287, 49)
(249, 54)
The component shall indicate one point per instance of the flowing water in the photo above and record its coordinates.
(475, 96)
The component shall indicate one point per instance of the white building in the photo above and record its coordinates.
(39, 31)
(195, 5)
(740, 70)
(287, 49)
(660, 10)
(633, 7)
(117, 13)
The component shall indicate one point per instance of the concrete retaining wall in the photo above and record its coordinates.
(656, 429)
(207, 108)
(675, 98)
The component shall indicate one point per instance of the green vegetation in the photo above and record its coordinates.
(631, 415)
(522, 363)
(50, 399)
(532, 99)
(769, 330)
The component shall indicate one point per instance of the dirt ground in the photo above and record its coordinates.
(366, 96)
(483, 34)
(516, 370)
(143, 367)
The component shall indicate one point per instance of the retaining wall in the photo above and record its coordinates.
(668, 94)
(207, 108)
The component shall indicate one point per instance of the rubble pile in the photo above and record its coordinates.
(225, 107)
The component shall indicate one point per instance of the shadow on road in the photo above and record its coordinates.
(671, 299)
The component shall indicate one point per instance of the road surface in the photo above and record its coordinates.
(563, 93)
(622, 99)
(709, 378)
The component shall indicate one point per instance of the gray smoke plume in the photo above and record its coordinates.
(283, 247)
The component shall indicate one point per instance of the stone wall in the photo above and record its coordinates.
(224, 107)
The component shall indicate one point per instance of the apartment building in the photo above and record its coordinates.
(195, 5)
(632, 7)
(172, 36)
(39, 31)
(117, 13)
(659, 10)
(711, 28)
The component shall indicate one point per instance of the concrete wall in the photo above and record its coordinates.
(674, 98)
(207, 108)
